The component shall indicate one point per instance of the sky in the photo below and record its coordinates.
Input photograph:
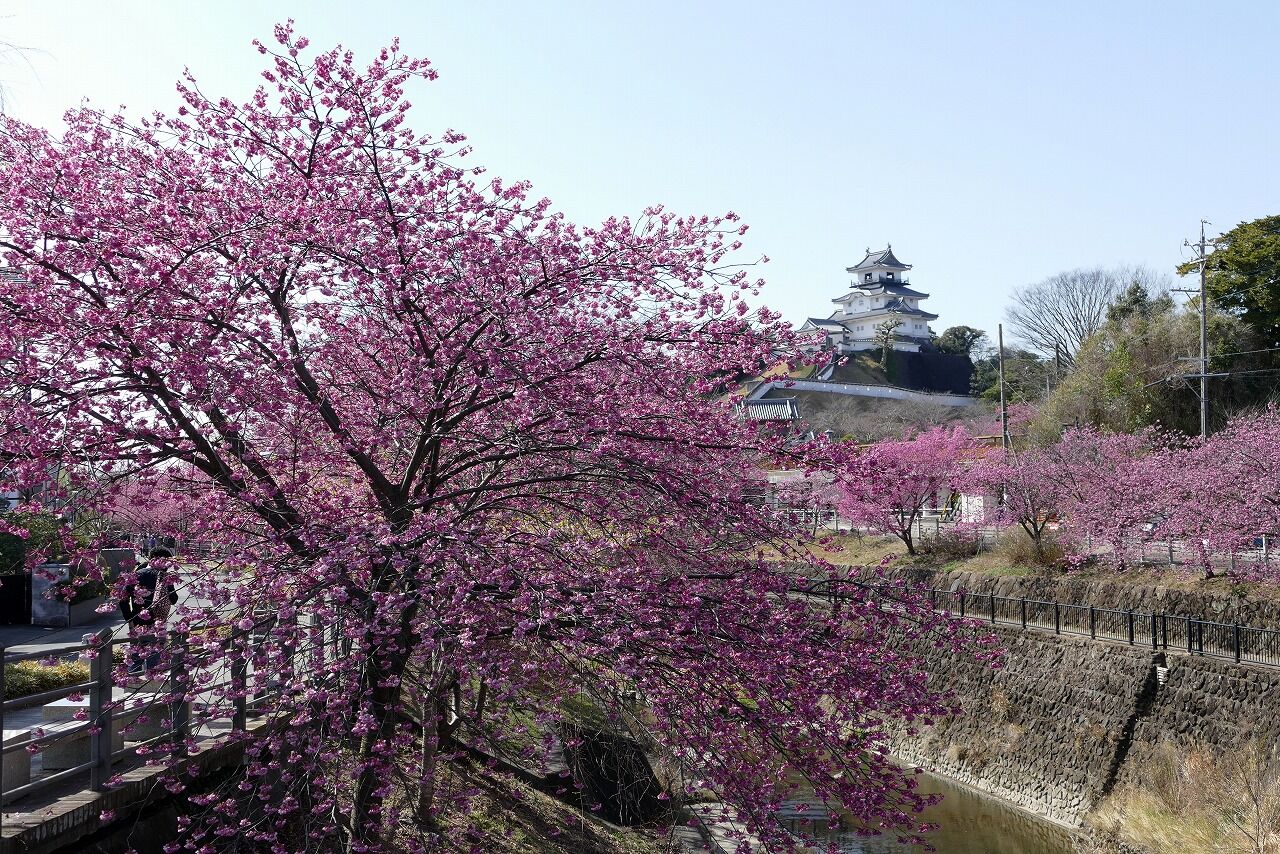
(993, 144)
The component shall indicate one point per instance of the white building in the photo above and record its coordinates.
(878, 294)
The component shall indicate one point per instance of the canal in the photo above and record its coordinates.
(969, 823)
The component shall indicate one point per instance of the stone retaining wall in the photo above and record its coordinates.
(1207, 702)
(1043, 732)
(1067, 719)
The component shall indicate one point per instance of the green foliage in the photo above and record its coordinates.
(1025, 376)
(44, 531)
(13, 551)
(25, 678)
(1136, 301)
(1130, 373)
(1244, 275)
(959, 340)
(89, 589)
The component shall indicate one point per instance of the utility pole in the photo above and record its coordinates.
(1004, 409)
(1201, 248)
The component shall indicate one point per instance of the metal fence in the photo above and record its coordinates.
(152, 721)
(1153, 630)
(1157, 631)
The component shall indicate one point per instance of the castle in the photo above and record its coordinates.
(879, 295)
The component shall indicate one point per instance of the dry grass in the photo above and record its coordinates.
(848, 549)
(505, 816)
(1186, 802)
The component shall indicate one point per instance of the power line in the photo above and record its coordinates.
(1236, 353)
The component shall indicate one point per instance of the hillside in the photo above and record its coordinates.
(869, 419)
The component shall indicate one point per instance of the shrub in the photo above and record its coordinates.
(1016, 547)
(89, 589)
(44, 531)
(952, 544)
(25, 678)
(13, 551)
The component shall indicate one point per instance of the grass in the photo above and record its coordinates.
(504, 816)
(1198, 800)
(850, 549)
(869, 550)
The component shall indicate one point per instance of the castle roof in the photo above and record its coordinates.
(875, 289)
(895, 306)
(881, 258)
(823, 323)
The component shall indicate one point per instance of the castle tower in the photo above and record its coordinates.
(878, 293)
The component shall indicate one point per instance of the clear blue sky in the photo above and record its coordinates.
(992, 143)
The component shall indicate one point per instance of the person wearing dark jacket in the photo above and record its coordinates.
(142, 609)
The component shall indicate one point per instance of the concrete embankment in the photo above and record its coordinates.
(1067, 719)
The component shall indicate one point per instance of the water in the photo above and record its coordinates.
(969, 824)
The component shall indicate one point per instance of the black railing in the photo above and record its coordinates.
(1152, 630)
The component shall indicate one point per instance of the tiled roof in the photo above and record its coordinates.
(871, 289)
(898, 307)
(881, 258)
(824, 323)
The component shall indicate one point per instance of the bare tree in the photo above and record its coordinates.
(1056, 316)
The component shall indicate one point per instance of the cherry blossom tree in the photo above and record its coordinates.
(1026, 485)
(457, 452)
(887, 486)
(1225, 492)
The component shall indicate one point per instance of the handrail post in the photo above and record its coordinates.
(1189, 641)
(933, 598)
(993, 609)
(1164, 631)
(1130, 627)
(1093, 624)
(240, 688)
(178, 719)
(1236, 637)
(1155, 641)
(1057, 619)
(101, 711)
(962, 604)
(2, 690)
(1023, 608)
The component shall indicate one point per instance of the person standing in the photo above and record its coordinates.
(143, 609)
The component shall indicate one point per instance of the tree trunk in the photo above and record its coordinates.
(366, 805)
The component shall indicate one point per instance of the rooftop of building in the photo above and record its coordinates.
(880, 258)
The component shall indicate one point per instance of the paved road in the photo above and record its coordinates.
(39, 638)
